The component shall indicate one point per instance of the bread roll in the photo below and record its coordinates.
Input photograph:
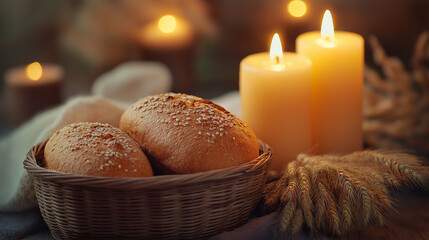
(186, 134)
(96, 149)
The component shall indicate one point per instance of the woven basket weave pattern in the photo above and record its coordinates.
(190, 206)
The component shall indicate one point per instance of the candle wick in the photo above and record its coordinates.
(327, 38)
(277, 59)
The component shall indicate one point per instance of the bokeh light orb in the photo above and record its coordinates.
(34, 71)
(297, 8)
(167, 24)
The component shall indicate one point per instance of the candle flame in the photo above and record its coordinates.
(327, 30)
(167, 24)
(34, 71)
(276, 51)
(297, 8)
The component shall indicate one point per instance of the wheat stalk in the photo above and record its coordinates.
(396, 100)
(297, 222)
(399, 167)
(287, 215)
(338, 194)
(321, 196)
(304, 198)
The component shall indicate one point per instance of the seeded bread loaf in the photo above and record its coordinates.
(96, 149)
(185, 134)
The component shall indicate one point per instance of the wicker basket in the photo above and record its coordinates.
(189, 206)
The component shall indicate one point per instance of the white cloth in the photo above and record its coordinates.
(113, 92)
(231, 102)
(127, 82)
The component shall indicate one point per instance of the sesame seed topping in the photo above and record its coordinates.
(180, 110)
(100, 142)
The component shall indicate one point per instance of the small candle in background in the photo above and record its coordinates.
(31, 89)
(170, 40)
(275, 92)
(296, 20)
(338, 60)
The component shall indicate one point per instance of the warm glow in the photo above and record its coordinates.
(297, 8)
(327, 30)
(34, 71)
(167, 24)
(276, 51)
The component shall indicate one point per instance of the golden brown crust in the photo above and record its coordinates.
(96, 149)
(186, 134)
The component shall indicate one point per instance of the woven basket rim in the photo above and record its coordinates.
(154, 182)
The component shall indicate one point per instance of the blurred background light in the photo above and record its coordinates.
(297, 8)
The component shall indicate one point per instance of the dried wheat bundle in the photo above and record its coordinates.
(396, 105)
(337, 194)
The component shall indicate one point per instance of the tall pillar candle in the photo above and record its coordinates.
(275, 91)
(338, 63)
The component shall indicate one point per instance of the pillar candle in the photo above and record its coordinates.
(338, 63)
(170, 40)
(275, 91)
(31, 89)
